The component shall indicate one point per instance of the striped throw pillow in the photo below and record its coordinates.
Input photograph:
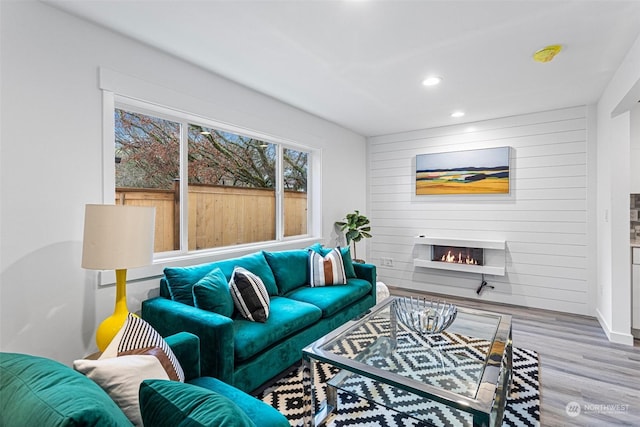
(249, 295)
(139, 337)
(326, 270)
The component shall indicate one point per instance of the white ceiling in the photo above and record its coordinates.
(360, 63)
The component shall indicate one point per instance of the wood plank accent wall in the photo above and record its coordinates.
(543, 219)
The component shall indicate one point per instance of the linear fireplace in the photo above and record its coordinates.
(457, 254)
(468, 255)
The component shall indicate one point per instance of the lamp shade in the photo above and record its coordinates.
(118, 237)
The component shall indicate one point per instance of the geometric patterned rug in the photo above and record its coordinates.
(522, 408)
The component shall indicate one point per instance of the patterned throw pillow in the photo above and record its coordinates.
(135, 354)
(249, 295)
(346, 258)
(326, 270)
(139, 337)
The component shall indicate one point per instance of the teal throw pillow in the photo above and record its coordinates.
(180, 280)
(348, 262)
(316, 247)
(346, 258)
(35, 391)
(169, 403)
(255, 263)
(290, 268)
(212, 293)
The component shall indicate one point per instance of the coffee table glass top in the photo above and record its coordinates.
(461, 367)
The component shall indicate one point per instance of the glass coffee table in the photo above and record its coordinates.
(458, 377)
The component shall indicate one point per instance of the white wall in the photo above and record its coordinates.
(614, 129)
(635, 151)
(51, 166)
(544, 220)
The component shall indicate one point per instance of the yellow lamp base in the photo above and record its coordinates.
(112, 324)
(109, 328)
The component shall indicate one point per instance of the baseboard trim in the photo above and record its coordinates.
(613, 336)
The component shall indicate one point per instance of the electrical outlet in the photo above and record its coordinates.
(386, 262)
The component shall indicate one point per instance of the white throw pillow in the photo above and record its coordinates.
(121, 376)
(137, 353)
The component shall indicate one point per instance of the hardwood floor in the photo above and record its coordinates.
(577, 364)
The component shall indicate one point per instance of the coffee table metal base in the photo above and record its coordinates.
(388, 360)
(328, 407)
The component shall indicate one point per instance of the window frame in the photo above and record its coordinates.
(184, 256)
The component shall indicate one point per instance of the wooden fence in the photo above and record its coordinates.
(218, 215)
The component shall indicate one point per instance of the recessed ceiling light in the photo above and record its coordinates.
(205, 132)
(432, 81)
(457, 114)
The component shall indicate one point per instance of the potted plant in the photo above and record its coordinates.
(357, 228)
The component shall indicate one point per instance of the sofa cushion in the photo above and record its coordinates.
(290, 268)
(180, 280)
(169, 404)
(42, 392)
(261, 413)
(346, 258)
(331, 299)
(249, 295)
(287, 316)
(326, 270)
(212, 293)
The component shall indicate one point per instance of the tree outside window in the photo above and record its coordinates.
(231, 186)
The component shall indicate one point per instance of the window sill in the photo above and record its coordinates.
(108, 277)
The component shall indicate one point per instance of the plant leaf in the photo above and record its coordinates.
(357, 227)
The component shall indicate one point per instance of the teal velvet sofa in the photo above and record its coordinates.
(248, 354)
(36, 391)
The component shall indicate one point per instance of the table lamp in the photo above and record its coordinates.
(116, 238)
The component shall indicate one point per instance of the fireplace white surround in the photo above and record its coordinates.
(494, 254)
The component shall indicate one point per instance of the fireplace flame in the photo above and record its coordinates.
(459, 259)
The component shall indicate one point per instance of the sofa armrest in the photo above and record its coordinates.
(214, 330)
(186, 347)
(368, 273)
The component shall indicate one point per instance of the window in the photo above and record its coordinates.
(212, 186)
(295, 191)
(147, 163)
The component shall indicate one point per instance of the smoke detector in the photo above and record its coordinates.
(547, 53)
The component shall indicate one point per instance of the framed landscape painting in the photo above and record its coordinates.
(483, 171)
